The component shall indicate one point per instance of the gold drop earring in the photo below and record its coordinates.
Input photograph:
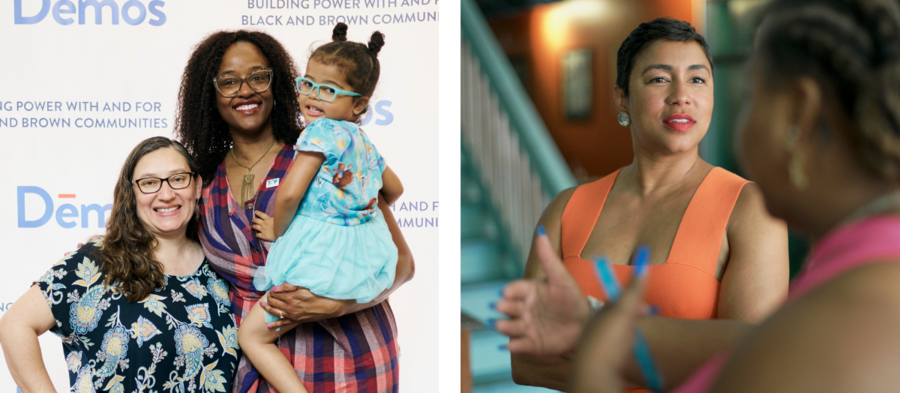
(796, 174)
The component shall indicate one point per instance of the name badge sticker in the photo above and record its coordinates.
(272, 183)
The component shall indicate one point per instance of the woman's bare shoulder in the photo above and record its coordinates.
(851, 324)
(554, 211)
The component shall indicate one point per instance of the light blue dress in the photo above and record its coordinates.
(338, 245)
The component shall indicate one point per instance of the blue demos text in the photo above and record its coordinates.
(133, 12)
(67, 215)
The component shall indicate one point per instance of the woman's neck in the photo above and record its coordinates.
(176, 254)
(248, 148)
(838, 186)
(851, 202)
(651, 174)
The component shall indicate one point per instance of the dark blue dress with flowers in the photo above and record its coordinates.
(181, 338)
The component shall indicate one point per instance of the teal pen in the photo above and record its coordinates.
(640, 348)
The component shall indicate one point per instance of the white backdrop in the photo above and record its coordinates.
(68, 72)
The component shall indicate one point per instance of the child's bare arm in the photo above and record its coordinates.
(291, 192)
(391, 188)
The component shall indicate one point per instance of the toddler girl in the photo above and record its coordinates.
(333, 239)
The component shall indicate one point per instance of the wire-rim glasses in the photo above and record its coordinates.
(229, 85)
(178, 181)
(324, 92)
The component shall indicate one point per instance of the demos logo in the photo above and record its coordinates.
(133, 12)
(379, 108)
(37, 208)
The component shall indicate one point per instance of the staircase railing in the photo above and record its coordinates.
(519, 163)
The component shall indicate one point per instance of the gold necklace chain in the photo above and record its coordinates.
(247, 185)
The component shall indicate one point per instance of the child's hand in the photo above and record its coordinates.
(264, 226)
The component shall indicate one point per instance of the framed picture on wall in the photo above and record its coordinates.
(577, 83)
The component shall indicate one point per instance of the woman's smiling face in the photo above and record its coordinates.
(247, 112)
(670, 97)
(167, 212)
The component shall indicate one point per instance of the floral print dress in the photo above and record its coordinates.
(181, 338)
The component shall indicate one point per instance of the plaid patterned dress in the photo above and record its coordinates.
(353, 353)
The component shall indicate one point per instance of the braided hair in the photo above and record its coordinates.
(852, 49)
(358, 61)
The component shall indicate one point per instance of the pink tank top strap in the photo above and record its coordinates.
(699, 237)
(870, 240)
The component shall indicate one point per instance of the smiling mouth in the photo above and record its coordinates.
(247, 107)
(680, 121)
(313, 111)
(167, 210)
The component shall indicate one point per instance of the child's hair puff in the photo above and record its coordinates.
(358, 61)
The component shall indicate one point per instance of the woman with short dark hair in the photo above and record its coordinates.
(716, 252)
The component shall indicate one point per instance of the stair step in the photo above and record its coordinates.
(475, 299)
(481, 260)
(489, 363)
(508, 387)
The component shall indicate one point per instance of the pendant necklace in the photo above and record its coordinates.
(247, 184)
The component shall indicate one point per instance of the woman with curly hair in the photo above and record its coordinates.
(139, 309)
(238, 117)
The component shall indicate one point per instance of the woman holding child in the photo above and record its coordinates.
(238, 116)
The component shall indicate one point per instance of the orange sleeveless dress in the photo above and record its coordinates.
(685, 286)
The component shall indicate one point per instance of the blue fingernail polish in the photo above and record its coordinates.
(493, 305)
(654, 310)
(501, 293)
(491, 322)
(541, 231)
(641, 260)
(504, 348)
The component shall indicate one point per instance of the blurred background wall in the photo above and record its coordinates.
(536, 40)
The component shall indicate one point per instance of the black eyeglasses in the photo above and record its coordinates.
(149, 185)
(229, 85)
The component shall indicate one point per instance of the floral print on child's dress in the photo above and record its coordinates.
(345, 190)
(182, 338)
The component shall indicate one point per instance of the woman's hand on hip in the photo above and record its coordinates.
(298, 304)
(546, 317)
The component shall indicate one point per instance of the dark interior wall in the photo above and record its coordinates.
(536, 41)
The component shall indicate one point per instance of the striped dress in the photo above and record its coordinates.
(353, 353)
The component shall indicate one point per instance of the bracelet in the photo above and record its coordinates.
(596, 304)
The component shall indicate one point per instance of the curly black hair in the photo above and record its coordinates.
(200, 127)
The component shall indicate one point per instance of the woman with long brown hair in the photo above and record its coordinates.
(140, 308)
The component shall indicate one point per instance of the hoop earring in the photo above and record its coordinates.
(624, 119)
(796, 173)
